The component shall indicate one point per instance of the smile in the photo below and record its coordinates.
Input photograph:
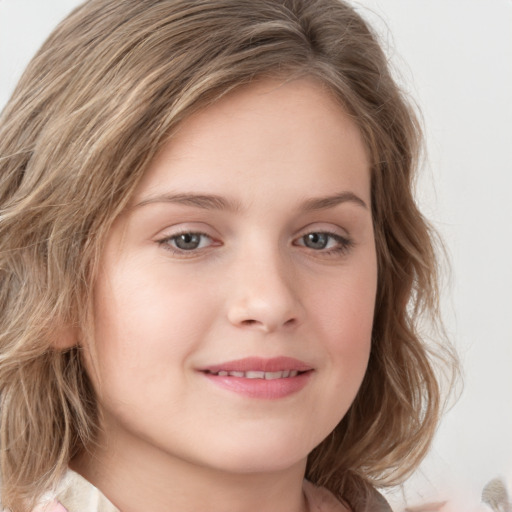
(258, 374)
(254, 377)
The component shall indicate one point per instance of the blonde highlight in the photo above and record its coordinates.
(99, 99)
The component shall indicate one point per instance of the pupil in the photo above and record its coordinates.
(188, 241)
(316, 240)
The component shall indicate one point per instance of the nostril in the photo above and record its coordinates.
(252, 323)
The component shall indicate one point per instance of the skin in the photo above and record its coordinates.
(254, 286)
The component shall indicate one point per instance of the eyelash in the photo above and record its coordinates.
(166, 243)
(344, 245)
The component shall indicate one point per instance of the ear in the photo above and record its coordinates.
(64, 337)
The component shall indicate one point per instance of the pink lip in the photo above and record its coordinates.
(260, 388)
(259, 364)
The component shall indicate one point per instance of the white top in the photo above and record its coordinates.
(76, 494)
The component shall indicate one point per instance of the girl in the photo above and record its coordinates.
(212, 265)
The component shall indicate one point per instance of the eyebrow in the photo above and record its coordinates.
(216, 202)
(204, 201)
(323, 203)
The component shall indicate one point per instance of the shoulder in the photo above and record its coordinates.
(74, 494)
(47, 503)
(50, 506)
(321, 500)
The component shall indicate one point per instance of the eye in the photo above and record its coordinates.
(325, 242)
(316, 240)
(186, 242)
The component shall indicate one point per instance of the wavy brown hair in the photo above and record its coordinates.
(102, 95)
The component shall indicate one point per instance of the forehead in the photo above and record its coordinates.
(284, 133)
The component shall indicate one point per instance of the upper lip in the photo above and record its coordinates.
(259, 364)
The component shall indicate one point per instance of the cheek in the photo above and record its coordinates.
(145, 322)
(344, 319)
(344, 311)
(345, 306)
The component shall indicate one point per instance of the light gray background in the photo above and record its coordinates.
(454, 58)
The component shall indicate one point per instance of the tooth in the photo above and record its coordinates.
(254, 375)
(273, 375)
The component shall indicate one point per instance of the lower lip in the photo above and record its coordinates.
(272, 389)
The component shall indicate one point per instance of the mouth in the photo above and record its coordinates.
(285, 374)
(260, 368)
(261, 378)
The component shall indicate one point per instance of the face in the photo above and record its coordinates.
(234, 304)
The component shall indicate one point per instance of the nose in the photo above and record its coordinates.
(264, 294)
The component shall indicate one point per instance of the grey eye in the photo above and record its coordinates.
(187, 241)
(316, 240)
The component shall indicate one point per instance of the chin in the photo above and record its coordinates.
(264, 455)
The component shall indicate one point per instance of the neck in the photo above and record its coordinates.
(137, 479)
